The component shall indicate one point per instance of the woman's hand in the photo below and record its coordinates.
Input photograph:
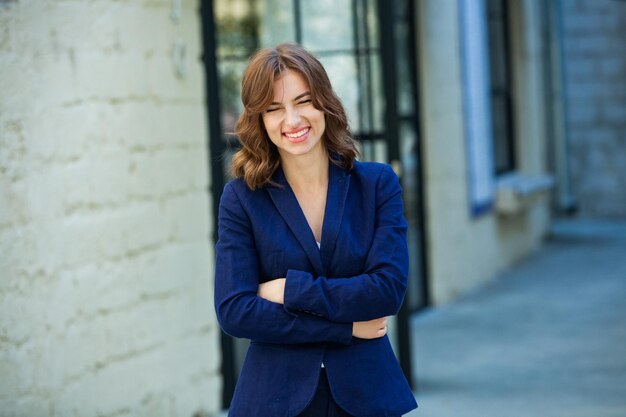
(372, 329)
(273, 290)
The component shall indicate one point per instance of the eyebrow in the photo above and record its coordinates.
(306, 93)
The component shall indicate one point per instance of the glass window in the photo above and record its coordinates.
(276, 22)
(328, 25)
(342, 71)
(343, 34)
(500, 79)
(237, 28)
(230, 92)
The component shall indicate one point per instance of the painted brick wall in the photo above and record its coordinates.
(595, 65)
(105, 259)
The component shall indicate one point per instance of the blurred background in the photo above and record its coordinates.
(505, 120)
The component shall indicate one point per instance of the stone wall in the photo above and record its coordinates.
(105, 259)
(595, 68)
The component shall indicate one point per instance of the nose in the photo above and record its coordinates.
(292, 117)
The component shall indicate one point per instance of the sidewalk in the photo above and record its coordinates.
(545, 339)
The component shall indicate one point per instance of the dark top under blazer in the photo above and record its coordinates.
(359, 274)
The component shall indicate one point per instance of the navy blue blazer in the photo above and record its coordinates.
(359, 274)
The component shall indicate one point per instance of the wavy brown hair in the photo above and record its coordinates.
(258, 158)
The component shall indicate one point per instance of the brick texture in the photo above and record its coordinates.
(595, 67)
(105, 258)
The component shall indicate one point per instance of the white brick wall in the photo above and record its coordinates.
(105, 259)
(595, 65)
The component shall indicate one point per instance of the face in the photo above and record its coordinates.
(293, 124)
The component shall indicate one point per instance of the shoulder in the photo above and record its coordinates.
(237, 188)
(238, 202)
(238, 196)
(232, 189)
(235, 194)
(236, 185)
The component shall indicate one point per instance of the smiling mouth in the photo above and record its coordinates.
(296, 135)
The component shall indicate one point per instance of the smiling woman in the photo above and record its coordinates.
(292, 123)
(310, 286)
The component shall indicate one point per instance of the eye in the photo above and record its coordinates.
(308, 100)
(271, 109)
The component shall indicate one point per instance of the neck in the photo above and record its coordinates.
(306, 171)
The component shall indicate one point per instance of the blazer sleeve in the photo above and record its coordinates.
(240, 312)
(380, 289)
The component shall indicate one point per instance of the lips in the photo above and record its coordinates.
(297, 135)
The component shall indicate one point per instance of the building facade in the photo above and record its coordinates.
(115, 142)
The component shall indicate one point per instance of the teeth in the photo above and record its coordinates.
(297, 134)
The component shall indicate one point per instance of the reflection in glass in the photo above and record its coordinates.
(410, 183)
(405, 94)
(380, 151)
(377, 93)
(375, 150)
(372, 23)
(237, 27)
(276, 22)
(342, 72)
(327, 25)
(230, 73)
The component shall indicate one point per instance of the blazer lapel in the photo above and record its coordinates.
(285, 201)
(338, 184)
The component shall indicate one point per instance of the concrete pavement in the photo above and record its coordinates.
(546, 339)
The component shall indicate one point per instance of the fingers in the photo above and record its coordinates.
(382, 322)
(382, 330)
(372, 329)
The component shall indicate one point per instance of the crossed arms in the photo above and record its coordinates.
(302, 308)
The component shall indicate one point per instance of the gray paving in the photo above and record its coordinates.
(547, 338)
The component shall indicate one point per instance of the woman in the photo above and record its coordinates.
(311, 255)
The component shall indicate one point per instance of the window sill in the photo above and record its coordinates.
(516, 192)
